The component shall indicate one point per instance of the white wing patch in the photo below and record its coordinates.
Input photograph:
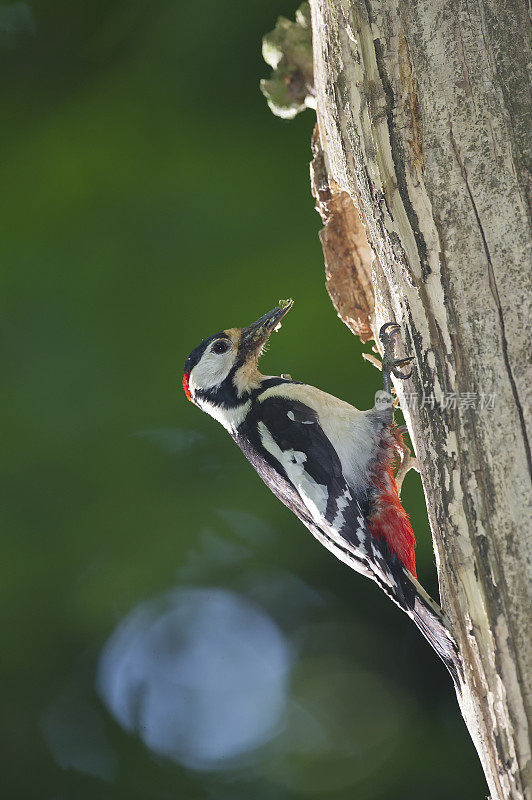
(362, 531)
(314, 495)
(341, 503)
(291, 415)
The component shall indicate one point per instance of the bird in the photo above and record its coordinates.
(328, 462)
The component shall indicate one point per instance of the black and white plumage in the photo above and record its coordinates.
(324, 459)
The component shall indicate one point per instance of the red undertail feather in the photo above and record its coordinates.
(390, 521)
(186, 387)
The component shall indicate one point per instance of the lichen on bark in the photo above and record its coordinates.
(288, 50)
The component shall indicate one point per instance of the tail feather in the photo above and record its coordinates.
(433, 624)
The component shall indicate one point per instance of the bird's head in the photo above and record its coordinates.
(222, 371)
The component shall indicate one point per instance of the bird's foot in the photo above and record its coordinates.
(390, 364)
(408, 461)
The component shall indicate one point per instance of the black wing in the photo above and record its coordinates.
(284, 441)
(289, 435)
(286, 444)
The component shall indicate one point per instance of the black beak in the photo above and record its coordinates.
(255, 336)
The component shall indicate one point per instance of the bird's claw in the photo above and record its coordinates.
(388, 332)
(401, 362)
(391, 365)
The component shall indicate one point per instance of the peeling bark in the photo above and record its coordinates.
(423, 162)
(348, 255)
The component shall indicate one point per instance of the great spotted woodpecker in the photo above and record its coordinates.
(330, 463)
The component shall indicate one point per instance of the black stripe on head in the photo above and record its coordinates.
(223, 395)
(195, 356)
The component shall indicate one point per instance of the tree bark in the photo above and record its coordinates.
(422, 176)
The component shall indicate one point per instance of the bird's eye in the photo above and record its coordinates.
(220, 347)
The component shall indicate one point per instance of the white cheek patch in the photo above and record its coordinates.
(212, 369)
(314, 495)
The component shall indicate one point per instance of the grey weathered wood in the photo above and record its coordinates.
(424, 119)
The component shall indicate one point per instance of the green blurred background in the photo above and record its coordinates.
(170, 630)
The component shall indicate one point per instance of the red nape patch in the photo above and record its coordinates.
(390, 521)
(186, 387)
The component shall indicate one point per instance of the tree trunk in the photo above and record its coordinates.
(421, 174)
